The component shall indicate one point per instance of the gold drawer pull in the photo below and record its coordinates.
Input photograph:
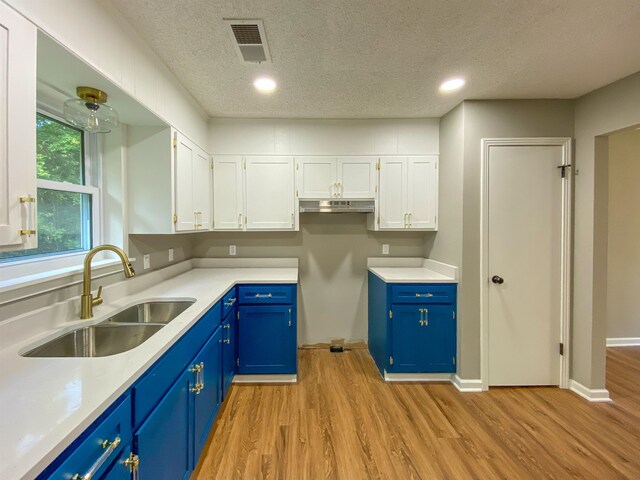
(110, 448)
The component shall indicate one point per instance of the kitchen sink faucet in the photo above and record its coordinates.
(87, 301)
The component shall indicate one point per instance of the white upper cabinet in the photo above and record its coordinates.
(316, 177)
(193, 186)
(17, 131)
(335, 177)
(202, 189)
(228, 193)
(269, 187)
(408, 196)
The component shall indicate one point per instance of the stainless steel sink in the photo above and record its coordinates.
(161, 312)
(98, 341)
(119, 333)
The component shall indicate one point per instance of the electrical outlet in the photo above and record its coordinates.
(385, 249)
(232, 249)
(146, 263)
(171, 254)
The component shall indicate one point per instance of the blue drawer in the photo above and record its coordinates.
(229, 302)
(151, 388)
(97, 445)
(266, 294)
(423, 293)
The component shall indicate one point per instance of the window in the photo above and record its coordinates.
(67, 203)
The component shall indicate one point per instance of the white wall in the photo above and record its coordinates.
(100, 36)
(623, 257)
(323, 137)
(597, 114)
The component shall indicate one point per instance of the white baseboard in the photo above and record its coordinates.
(590, 394)
(417, 377)
(623, 342)
(466, 385)
(279, 378)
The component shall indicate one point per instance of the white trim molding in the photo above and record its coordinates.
(596, 395)
(467, 385)
(273, 378)
(623, 342)
(565, 314)
(417, 377)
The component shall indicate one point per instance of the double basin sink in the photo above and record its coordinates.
(119, 333)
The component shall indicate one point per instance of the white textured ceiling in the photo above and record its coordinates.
(386, 58)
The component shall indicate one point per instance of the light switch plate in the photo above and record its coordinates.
(171, 254)
(232, 249)
(385, 249)
(146, 262)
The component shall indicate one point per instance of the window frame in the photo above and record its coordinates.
(92, 180)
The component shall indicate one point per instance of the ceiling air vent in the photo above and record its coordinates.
(249, 40)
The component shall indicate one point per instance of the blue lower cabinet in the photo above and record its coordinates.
(229, 351)
(121, 468)
(267, 340)
(412, 328)
(208, 394)
(164, 441)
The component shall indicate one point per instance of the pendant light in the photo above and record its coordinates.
(90, 111)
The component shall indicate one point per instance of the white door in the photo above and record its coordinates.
(422, 191)
(316, 177)
(202, 189)
(269, 187)
(356, 177)
(228, 204)
(393, 193)
(524, 265)
(17, 131)
(184, 159)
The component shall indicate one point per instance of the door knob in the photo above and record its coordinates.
(497, 279)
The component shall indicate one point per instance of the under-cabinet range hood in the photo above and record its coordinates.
(337, 206)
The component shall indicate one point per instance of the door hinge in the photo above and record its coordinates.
(175, 219)
(390, 360)
(238, 315)
(453, 360)
(238, 362)
(175, 142)
(562, 349)
(390, 314)
(563, 168)
(453, 315)
(378, 165)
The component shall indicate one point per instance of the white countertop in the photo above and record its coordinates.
(412, 270)
(45, 403)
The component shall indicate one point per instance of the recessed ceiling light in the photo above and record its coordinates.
(265, 84)
(452, 84)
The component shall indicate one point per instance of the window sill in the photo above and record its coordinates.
(15, 286)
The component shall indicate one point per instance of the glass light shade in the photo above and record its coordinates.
(91, 117)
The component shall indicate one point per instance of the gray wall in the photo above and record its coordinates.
(333, 251)
(598, 114)
(157, 246)
(623, 258)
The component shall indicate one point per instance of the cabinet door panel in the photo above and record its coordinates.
(266, 339)
(423, 338)
(422, 191)
(17, 129)
(270, 193)
(202, 189)
(184, 159)
(207, 402)
(228, 203)
(228, 352)
(163, 442)
(356, 177)
(316, 177)
(393, 188)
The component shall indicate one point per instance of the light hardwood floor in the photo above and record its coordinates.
(341, 421)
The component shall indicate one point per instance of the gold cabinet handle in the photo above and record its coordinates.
(264, 296)
(110, 448)
(424, 295)
(132, 463)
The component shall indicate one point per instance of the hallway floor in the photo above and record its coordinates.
(341, 421)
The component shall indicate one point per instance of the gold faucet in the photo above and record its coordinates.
(87, 302)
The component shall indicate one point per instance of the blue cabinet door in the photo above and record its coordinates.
(208, 396)
(163, 441)
(229, 353)
(119, 470)
(266, 339)
(423, 339)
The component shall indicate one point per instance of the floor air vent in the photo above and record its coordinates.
(249, 40)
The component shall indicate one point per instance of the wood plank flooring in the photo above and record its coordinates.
(341, 421)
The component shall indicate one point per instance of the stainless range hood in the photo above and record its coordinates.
(337, 206)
